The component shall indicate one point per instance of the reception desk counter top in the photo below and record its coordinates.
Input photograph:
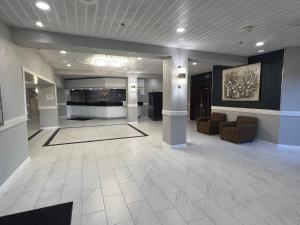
(98, 103)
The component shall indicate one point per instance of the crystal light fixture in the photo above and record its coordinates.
(108, 61)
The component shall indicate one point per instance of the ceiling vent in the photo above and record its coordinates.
(248, 28)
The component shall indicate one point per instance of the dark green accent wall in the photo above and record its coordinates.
(270, 81)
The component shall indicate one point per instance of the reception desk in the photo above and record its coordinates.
(104, 109)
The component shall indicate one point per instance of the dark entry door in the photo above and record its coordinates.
(200, 96)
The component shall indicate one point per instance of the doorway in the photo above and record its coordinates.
(200, 103)
(35, 99)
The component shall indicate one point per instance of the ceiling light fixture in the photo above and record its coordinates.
(69, 65)
(63, 52)
(260, 51)
(139, 58)
(180, 30)
(42, 5)
(39, 24)
(259, 44)
(194, 63)
(108, 61)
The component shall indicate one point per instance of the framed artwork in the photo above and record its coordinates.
(241, 83)
(1, 110)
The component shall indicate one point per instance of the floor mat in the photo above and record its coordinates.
(58, 214)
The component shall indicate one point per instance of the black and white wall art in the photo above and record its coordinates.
(241, 83)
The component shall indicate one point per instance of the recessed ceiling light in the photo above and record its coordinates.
(139, 58)
(260, 51)
(259, 44)
(180, 30)
(42, 5)
(194, 63)
(69, 65)
(63, 52)
(39, 24)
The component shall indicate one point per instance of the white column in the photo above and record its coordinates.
(132, 104)
(175, 99)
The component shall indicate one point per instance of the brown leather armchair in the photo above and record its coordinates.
(210, 125)
(242, 130)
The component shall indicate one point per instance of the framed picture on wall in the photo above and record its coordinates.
(1, 110)
(241, 83)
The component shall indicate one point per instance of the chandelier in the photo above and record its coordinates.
(101, 60)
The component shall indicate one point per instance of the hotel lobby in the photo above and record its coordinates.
(158, 112)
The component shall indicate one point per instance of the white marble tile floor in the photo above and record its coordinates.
(142, 181)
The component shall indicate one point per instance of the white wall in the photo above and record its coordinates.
(149, 85)
(290, 95)
(13, 139)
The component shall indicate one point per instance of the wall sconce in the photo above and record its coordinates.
(35, 80)
(36, 90)
(133, 89)
(181, 78)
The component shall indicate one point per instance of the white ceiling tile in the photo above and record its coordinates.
(211, 25)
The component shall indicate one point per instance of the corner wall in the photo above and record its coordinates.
(290, 103)
(13, 135)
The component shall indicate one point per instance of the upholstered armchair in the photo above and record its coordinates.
(210, 125)
(242, 130)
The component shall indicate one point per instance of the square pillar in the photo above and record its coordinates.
(175, 99)
(132, 101)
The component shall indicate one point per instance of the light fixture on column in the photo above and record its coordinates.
(181, 78)
(133, 87)
(35, 80)
(36, 90)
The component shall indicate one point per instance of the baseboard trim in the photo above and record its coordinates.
(178, 146)
(174, 113)
(133, 123)
(266, 142)
(14, 175)
(47, 128)
(289, 147)
(282, 146)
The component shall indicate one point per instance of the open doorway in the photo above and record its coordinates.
(33, 117)
(200, 89)
(36, 99)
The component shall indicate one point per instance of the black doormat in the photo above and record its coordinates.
(54, 215)
(80, 119)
